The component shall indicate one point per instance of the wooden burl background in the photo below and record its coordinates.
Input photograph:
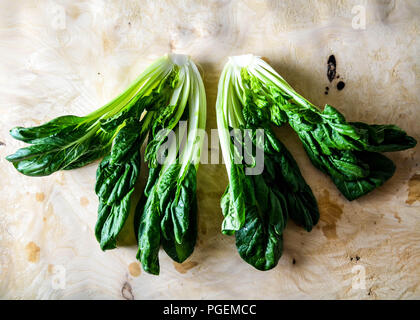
(71, 57)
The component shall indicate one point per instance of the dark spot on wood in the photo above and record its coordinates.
(326, 92)
(294, 261)
(2, 143)
(127, 291)
(327, 88)
(357, 258)
(351, 258)
(331, 68)
(340, 85)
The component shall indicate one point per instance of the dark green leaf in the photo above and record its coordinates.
(43, 159)
(179, 252)
(115, 179)
(51, 130)
(381, 169)
(385, 138)
(111, 219)
(233, 201)
(149, 235)
(258, 243)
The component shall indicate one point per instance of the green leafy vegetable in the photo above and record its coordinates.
(70, 142)
(168, 91)
(115, 179)
(346, 151)
(257, 204)
(167, 213)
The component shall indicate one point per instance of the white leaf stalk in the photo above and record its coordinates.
(231, 95)
(192, 93)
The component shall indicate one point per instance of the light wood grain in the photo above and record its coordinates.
(48, 69)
